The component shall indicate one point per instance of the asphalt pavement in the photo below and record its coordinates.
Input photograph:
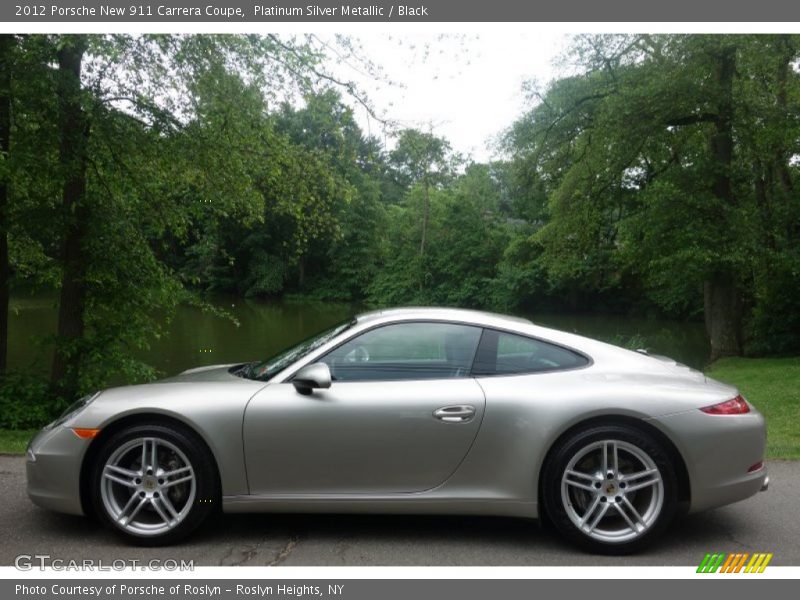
(768, 522)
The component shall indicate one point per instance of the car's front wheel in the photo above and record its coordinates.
(611, 489)
(154, 483)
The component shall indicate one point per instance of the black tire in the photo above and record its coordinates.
(206, 494)
(558, 502)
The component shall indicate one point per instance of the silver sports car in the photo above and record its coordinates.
(414, 410)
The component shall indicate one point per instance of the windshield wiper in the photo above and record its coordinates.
(244, 370)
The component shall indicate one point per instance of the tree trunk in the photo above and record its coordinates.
(301, 272)
(764, 206)
(722, 135)
(74, 133)
(6, 48)
(426, 214)
(722, 308)
(722, 305)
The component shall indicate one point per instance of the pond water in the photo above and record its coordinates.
(198, 338)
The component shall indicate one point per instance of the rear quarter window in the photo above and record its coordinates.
(503, 353)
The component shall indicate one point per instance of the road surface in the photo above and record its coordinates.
(767, 522)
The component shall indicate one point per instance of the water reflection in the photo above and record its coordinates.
(197, 338)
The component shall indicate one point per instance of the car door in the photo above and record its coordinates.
(400, 415)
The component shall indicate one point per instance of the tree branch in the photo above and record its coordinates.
(705, 117)
(347, 85)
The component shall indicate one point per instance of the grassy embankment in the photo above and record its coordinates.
(771, 384)
(14, 442)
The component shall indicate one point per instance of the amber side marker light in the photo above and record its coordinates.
(85, 434)
(734, 406)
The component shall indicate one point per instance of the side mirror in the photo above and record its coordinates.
(311, 377)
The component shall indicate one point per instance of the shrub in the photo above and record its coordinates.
(24, 401)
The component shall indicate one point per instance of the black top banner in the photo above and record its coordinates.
(254, 11)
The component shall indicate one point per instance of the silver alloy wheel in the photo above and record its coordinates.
(612, 491)
(148, 486)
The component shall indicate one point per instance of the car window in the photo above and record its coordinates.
(406, 351)
(506, 353)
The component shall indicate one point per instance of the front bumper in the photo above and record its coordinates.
(53, 468)
(718, 451)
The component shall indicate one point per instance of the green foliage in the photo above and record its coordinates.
(265, 276)
(24, 402)
(775, 324)
(178, 144)
(353, 260)
(666, 164)
(232, 163)
(465, 242)
(422, 157)
(522, 280)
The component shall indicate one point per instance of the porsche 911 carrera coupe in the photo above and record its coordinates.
(413, 410)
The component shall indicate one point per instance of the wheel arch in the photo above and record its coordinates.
(681, 471)
(130, 420)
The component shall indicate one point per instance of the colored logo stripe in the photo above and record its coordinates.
(711, 563)
(734, 563)
(758, 563)
(726, 568)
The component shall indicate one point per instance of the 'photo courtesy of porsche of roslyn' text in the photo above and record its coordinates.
(357, 301)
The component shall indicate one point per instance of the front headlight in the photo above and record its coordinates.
(73, 409)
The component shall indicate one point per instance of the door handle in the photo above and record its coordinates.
(458, 413)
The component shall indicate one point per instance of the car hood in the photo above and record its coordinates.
(208, 373)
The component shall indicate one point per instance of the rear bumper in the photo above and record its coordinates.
(705, 497)
(53, 468)
(718, 451)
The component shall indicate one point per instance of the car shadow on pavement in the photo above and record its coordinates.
(325, 539)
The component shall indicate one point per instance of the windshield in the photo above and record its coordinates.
(265, 370)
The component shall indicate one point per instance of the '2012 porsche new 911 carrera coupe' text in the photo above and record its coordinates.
(413, 410)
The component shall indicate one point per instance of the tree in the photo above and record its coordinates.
(7, 44)
(152, 140)
(648, 156)
(426, 160)
(465, 243)
(74, 214)
(342, 261)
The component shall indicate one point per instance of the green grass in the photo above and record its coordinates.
(15, 442)
(773, 386)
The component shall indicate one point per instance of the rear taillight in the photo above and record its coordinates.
(734, 406)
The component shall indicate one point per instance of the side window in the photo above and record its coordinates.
(406, 351)
(507, 353)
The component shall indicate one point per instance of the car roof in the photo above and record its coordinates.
(406, 313)
(596, 350)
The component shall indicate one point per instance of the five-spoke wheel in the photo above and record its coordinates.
(153, 483)
(610, 488)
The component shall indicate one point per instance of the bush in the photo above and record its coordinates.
(773, 328)
(25, 402)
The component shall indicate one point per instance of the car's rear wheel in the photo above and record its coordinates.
(154, 484)
(611, 489)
